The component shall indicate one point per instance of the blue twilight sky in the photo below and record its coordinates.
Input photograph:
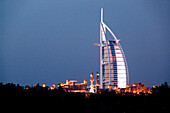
(49, 41)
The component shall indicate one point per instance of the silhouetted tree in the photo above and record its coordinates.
(165, 85)
(105, 101)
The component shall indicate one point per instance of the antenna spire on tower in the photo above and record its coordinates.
(101, 14)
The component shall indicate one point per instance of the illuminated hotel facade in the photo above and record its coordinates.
(73, 86)
(113, 65)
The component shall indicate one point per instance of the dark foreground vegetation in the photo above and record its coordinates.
(58, 100)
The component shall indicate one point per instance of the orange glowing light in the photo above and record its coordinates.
(62, 84)
(134, 91)
(154, 86)
(85, 81)
(97, 84)
(43, 85)
(27, 87)
(109, 86)
(52, 87)
(134, 84)
(127, 85)
(115, 87)
(91, 75)
(34, 85)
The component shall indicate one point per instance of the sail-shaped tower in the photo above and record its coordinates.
(113, 64)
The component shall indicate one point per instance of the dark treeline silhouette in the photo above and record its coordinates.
(103, 102)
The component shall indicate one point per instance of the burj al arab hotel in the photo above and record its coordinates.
(113, 64)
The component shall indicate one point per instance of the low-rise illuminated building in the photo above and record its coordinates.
(73, 86)
(136, 88)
